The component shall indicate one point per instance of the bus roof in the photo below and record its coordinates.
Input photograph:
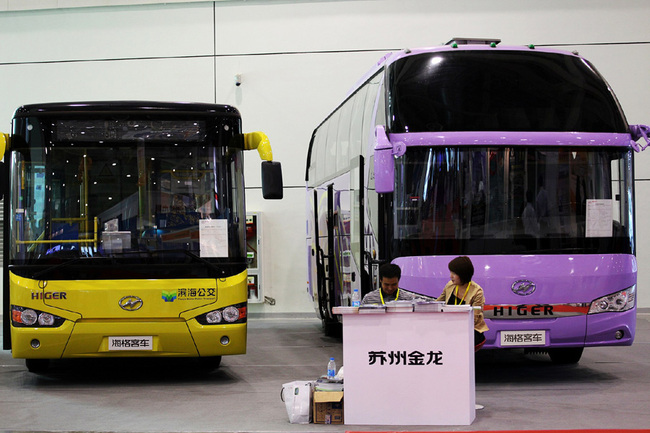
(97, 107)
(392, 57)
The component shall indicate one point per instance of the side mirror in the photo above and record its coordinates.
(3, 178)
(385, 153)
(4, 146)
(4, 142)
(271, 170)
(272, 180)
(637, 132)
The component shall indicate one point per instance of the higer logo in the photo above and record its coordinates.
(49, 295)
(521, 310)
(523, 287)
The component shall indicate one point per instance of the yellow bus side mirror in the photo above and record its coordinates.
(259, 140)
(4, 144)
(272, 188)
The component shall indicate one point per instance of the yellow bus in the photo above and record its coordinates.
(124, 231)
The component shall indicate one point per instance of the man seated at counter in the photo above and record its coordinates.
(389, 275)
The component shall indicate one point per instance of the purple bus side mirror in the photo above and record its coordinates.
(639, 131)
(384, 162)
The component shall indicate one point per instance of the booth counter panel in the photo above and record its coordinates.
(409, 368)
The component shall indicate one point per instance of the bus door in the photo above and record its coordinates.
(358, 278)
(335, 271)
(343, 268)
(323, 239)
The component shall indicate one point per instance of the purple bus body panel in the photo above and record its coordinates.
(567, 331)
(559, 279)
(600, 328)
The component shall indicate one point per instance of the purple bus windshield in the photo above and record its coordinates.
(512, 200)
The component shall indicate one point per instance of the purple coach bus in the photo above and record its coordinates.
(519, 157)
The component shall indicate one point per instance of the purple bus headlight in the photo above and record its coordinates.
(616, 302)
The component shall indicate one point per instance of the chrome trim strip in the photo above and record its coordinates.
(534, 311)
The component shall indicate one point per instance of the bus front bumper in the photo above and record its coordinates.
(104, 338)
(604, 329)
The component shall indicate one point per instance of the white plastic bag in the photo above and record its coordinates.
(296, 396)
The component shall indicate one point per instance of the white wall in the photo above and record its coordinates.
(297, 61)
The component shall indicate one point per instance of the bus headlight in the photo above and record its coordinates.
(616, 302)
(230, 314)
(213, 316)
(28, 317)
(23, 317)
(45, 319)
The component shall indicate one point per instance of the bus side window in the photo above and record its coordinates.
(356, 125)
(318, 155)
(381, 106)
(330, 152)
(343, 141)
(368, 127)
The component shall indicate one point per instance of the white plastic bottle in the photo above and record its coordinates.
(356, 298)
(331, 369)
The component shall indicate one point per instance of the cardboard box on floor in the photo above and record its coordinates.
(328, 407)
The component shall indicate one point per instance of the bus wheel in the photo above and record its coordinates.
(37, 365)
(568, 355)
(332, 328)
(209, 363)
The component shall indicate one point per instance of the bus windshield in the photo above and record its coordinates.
(136, 190)
(499, 91)
(513, 200)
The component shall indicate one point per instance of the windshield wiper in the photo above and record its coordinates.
(204, 261)
(38, 275)
(196, 258)
(191, 255)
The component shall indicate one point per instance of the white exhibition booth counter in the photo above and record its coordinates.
(409, 368)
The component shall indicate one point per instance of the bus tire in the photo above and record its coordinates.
(567, 355)
(332, 328)
(37, 365)
(209, 363)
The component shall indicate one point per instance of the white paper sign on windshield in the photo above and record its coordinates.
(599, 219)
(213, 238)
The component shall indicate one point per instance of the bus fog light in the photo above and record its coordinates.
(230, 314)
(28, 317)
(224, 340)
(619, 334)
(213, 316)
(35, 343)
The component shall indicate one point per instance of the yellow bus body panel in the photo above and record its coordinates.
(162, 311)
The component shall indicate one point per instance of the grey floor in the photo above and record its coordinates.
(609, 388)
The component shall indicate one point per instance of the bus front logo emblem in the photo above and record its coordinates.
(523, 287)
(130, 303)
